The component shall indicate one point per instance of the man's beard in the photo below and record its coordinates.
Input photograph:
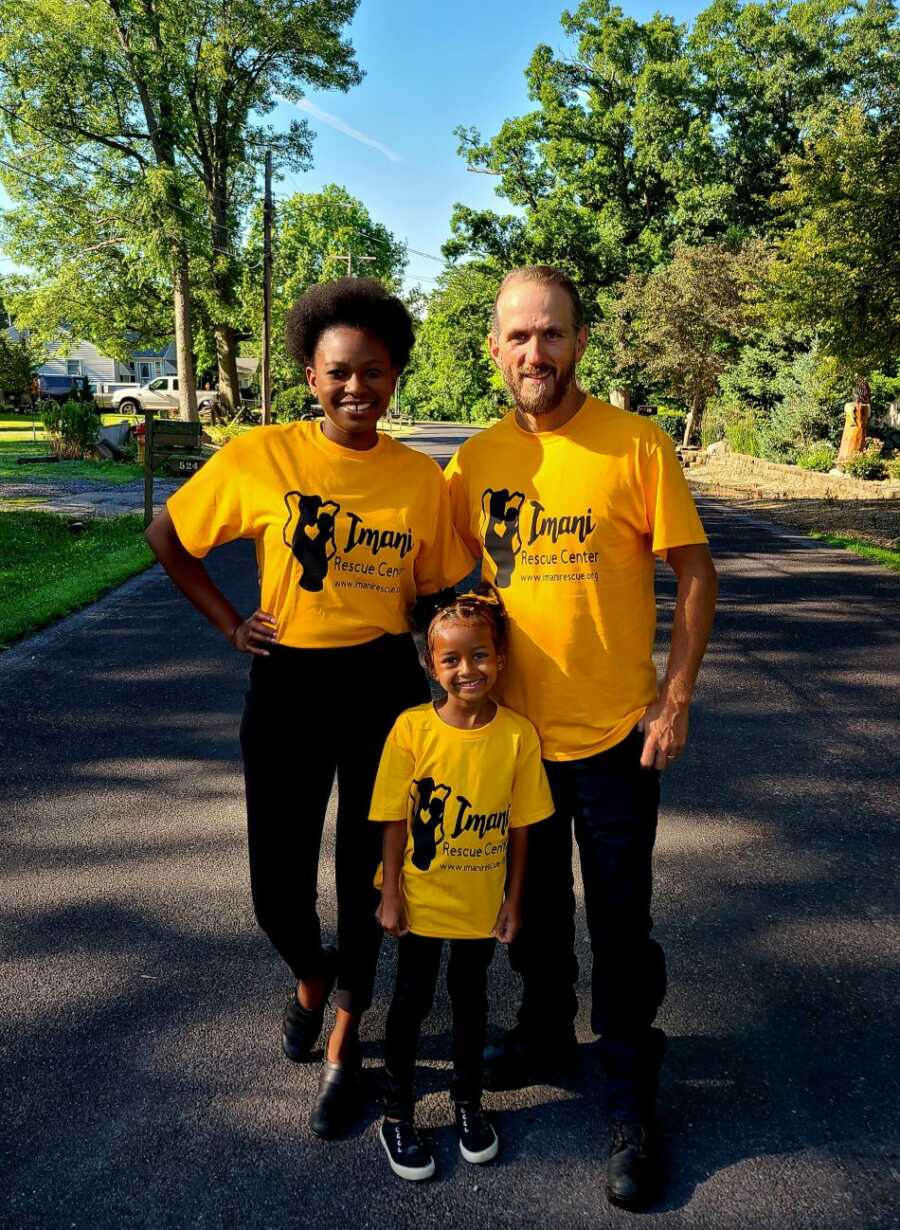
(542, 398)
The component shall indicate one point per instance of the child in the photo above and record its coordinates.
(458, 783)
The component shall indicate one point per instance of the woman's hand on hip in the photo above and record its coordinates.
(255, 634)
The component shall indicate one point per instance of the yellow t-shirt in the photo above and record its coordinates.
(567, 523)
(460, 791)
(344, 539)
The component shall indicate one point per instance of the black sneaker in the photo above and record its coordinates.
(477, 1139)
(631, 1175)
(337, 1098)
(300, 1027)
(409, 1158)
(521, 1060)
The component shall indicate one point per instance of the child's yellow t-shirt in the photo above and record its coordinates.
(567, 523)
(345, 539)
(460, 792)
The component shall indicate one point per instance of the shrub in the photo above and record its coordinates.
(72, 426)
(866, 465)
(819, 457)
(292, 403)
(742, 435)
(893, 468)
(672, 422)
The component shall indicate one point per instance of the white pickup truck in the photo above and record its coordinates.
(159, 394)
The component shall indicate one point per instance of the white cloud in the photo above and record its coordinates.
(334, 121)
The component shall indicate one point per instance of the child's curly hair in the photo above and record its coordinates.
(481, 605)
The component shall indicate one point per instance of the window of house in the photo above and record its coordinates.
(73, 367)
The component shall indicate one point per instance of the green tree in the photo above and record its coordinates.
(314, 234)
(18, 363)
(451, 375)
(683, 324)
(838, 271)
(170, 100)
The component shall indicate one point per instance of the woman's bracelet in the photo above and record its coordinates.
(231, 634)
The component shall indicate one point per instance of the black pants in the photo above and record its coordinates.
(310, 713)
(614, 804)
(418, 962)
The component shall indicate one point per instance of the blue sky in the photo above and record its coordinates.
(430, 65)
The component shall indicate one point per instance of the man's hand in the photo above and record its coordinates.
(665, 727)
(391, 913)
(508, 923)
(254, 634)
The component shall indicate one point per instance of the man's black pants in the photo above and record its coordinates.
(613, 803)
(310, 713)
(418, 962)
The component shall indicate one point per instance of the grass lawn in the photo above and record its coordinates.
(47, 571)
(888, 556)
(109, 472)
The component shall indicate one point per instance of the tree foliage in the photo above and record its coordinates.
(684, 323)
(313, 235)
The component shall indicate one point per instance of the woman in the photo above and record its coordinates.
(349, 527)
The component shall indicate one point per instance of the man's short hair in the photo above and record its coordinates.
(546, 275)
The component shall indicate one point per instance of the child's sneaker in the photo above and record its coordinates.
(408, 1156)
(477, 1139)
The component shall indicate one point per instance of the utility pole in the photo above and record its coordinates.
(349, 259)
(266, 375)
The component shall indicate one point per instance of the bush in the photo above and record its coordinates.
(819, 457)
(672, 422)
(742, 435)
(72, 426)
(893, 468)
(292, 403)
(866, 465)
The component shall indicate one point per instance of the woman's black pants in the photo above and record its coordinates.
(418, 963)
(311, 713)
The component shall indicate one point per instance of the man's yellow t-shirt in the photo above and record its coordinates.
(460, 792)
(345, 539)
(567, 523)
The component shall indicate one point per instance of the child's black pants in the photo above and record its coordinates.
(418, 963)
(310, 713)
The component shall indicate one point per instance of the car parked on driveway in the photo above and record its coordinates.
(160, 394)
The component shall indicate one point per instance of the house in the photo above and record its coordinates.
(84, 359)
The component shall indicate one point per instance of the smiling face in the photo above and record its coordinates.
(352, 376)
(536, 345)
(465, 660)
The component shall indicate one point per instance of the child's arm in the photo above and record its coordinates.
(509, 920)
(391, 913)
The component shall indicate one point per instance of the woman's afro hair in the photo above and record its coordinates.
(362, 303)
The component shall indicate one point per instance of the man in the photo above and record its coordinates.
(568, 500)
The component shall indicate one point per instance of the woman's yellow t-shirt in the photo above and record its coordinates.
(460, 792)
(345, 539)
(567, 523)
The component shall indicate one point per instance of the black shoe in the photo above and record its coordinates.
(336, 1099)
(522, 1059)
(409, 1158)
(300, 1027)
(631, 1175)
(477, 1139)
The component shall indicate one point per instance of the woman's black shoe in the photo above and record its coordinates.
(631, 1178)
(336, 1099)
(300, 1027)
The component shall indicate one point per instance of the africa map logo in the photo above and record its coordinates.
(500, 533)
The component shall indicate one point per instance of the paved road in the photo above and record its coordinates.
(140, 1008)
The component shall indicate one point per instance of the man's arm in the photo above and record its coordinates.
(665, 724)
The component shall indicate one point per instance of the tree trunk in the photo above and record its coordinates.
(184, 340)
(229, 386)
(694, 419)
